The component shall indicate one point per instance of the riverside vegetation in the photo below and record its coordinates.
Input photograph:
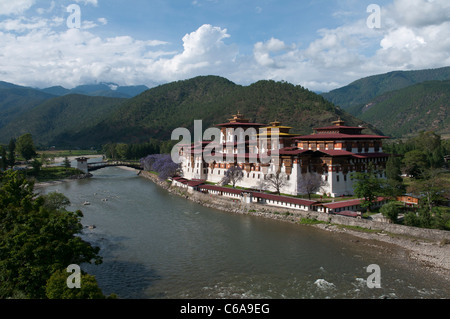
(38, 241)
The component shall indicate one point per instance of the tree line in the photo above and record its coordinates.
(23, 146)
(417, 154)
(136, 151)
(417, 167)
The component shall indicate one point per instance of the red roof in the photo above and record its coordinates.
(284, 199)
(290, 151)
(347, 203)
(334, 127)
(336, 152)
(240, 124)
(338, 136)
(194, 183)
(370, 155)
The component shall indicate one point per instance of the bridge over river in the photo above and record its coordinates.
(99, 165)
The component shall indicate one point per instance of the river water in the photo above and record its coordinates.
(158, 245)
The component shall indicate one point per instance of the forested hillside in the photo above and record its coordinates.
(156, 112)
(61, 116)
(364, 90)
(421, 107)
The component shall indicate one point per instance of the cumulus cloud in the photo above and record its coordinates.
(415, 34)
(419, 13)
(262, 51)
(43, 57)
(204, 50)
(8, 7)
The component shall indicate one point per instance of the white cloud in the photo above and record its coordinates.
(103, 21)
(262, 52)
(50, 9)
(86, 2)
(419, 13)
(204, 50)
(35, 53)
(414, 35)
(43, 57)
(8, 7)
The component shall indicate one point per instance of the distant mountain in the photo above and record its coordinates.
(364, 90)
(158, 111)
(60, 116)
(56, 90)
(423, 106)
(102, 89)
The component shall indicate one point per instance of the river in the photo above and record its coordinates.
(158, 245)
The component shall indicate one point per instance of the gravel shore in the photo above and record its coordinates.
(433, 255)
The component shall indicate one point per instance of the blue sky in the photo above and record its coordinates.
(319, 44)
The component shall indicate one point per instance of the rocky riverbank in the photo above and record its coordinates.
(430, 247)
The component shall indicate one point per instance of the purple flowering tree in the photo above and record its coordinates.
(161, 164)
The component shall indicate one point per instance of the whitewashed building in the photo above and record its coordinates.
(332, 152)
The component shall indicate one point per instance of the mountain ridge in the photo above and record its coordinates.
(407, 111)
(212, 99)
(362, 91)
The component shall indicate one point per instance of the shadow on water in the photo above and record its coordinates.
(126, 279)
(131, 279)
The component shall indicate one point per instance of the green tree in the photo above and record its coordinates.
(393, 169)
(56, 287)
(35, 241)
(122, 151)
(4, 159)
(66, 162)
(411, 219)
(12, 152)
(368, 186)
(391, 211)
(414, 163)
(45, 159)
(427, 141)
(36, 164)
(55, 201)
(25, 146)
(431, 188)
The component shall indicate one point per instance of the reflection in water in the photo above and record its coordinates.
(157, 245)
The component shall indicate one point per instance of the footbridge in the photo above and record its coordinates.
(99, 165)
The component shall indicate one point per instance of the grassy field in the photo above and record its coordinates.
(64, 153)
(53, 173)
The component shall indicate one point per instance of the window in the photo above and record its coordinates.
(337, 178)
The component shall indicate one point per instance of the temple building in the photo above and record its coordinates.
(332, 152)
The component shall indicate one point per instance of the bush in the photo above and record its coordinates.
(56, 287)
(390, 211)
(411, 219)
